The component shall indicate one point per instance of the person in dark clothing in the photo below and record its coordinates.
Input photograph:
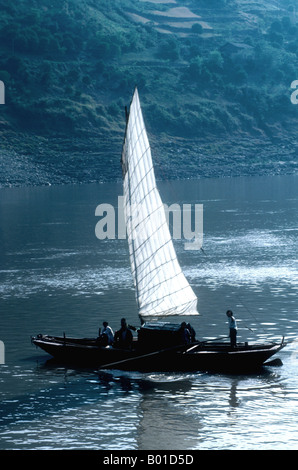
(184, 333)
(192, 332)
(123, 337)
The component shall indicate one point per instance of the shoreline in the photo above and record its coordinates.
(174, 159)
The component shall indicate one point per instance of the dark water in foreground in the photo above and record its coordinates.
(56, 276)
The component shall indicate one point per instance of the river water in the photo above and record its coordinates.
(56, 276)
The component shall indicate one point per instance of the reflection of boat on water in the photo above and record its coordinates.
(161, 287)
(164, 423)
(164, 415)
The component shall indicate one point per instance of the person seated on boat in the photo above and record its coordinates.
(232, 327)
(106, 336)
(184, 332)
(123, 337)
(108, 332)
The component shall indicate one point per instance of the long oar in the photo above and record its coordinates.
(142, 356)
(189, 347)
(201, 343)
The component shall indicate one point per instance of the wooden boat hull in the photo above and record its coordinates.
(201, 357)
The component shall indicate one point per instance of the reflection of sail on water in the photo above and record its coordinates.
(161, 287)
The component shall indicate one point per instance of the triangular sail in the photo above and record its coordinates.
(161, 287)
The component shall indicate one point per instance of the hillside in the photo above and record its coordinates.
(214, 78)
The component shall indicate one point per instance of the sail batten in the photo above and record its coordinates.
(161, 287)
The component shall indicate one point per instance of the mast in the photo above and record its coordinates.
(132, 240)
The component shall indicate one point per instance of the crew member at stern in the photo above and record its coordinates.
(233, 328)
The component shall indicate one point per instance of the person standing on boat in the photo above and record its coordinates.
(233, 328)
(123, 337)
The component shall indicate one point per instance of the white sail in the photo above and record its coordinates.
(161, 287)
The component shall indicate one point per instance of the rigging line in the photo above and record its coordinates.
(140, 183)
(249, 311)
(142, 226)
(171, 258)
(169, 278)
(142, 267)
(138, 159)
(243, 304)
(156, 287)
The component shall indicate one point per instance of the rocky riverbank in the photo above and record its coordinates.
(82, 162)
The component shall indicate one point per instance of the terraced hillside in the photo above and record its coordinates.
(214, 78)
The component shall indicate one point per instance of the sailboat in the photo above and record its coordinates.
(162, 290)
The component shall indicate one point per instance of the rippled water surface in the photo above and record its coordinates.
(56, 276)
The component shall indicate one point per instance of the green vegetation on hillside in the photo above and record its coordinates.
(70, 66)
